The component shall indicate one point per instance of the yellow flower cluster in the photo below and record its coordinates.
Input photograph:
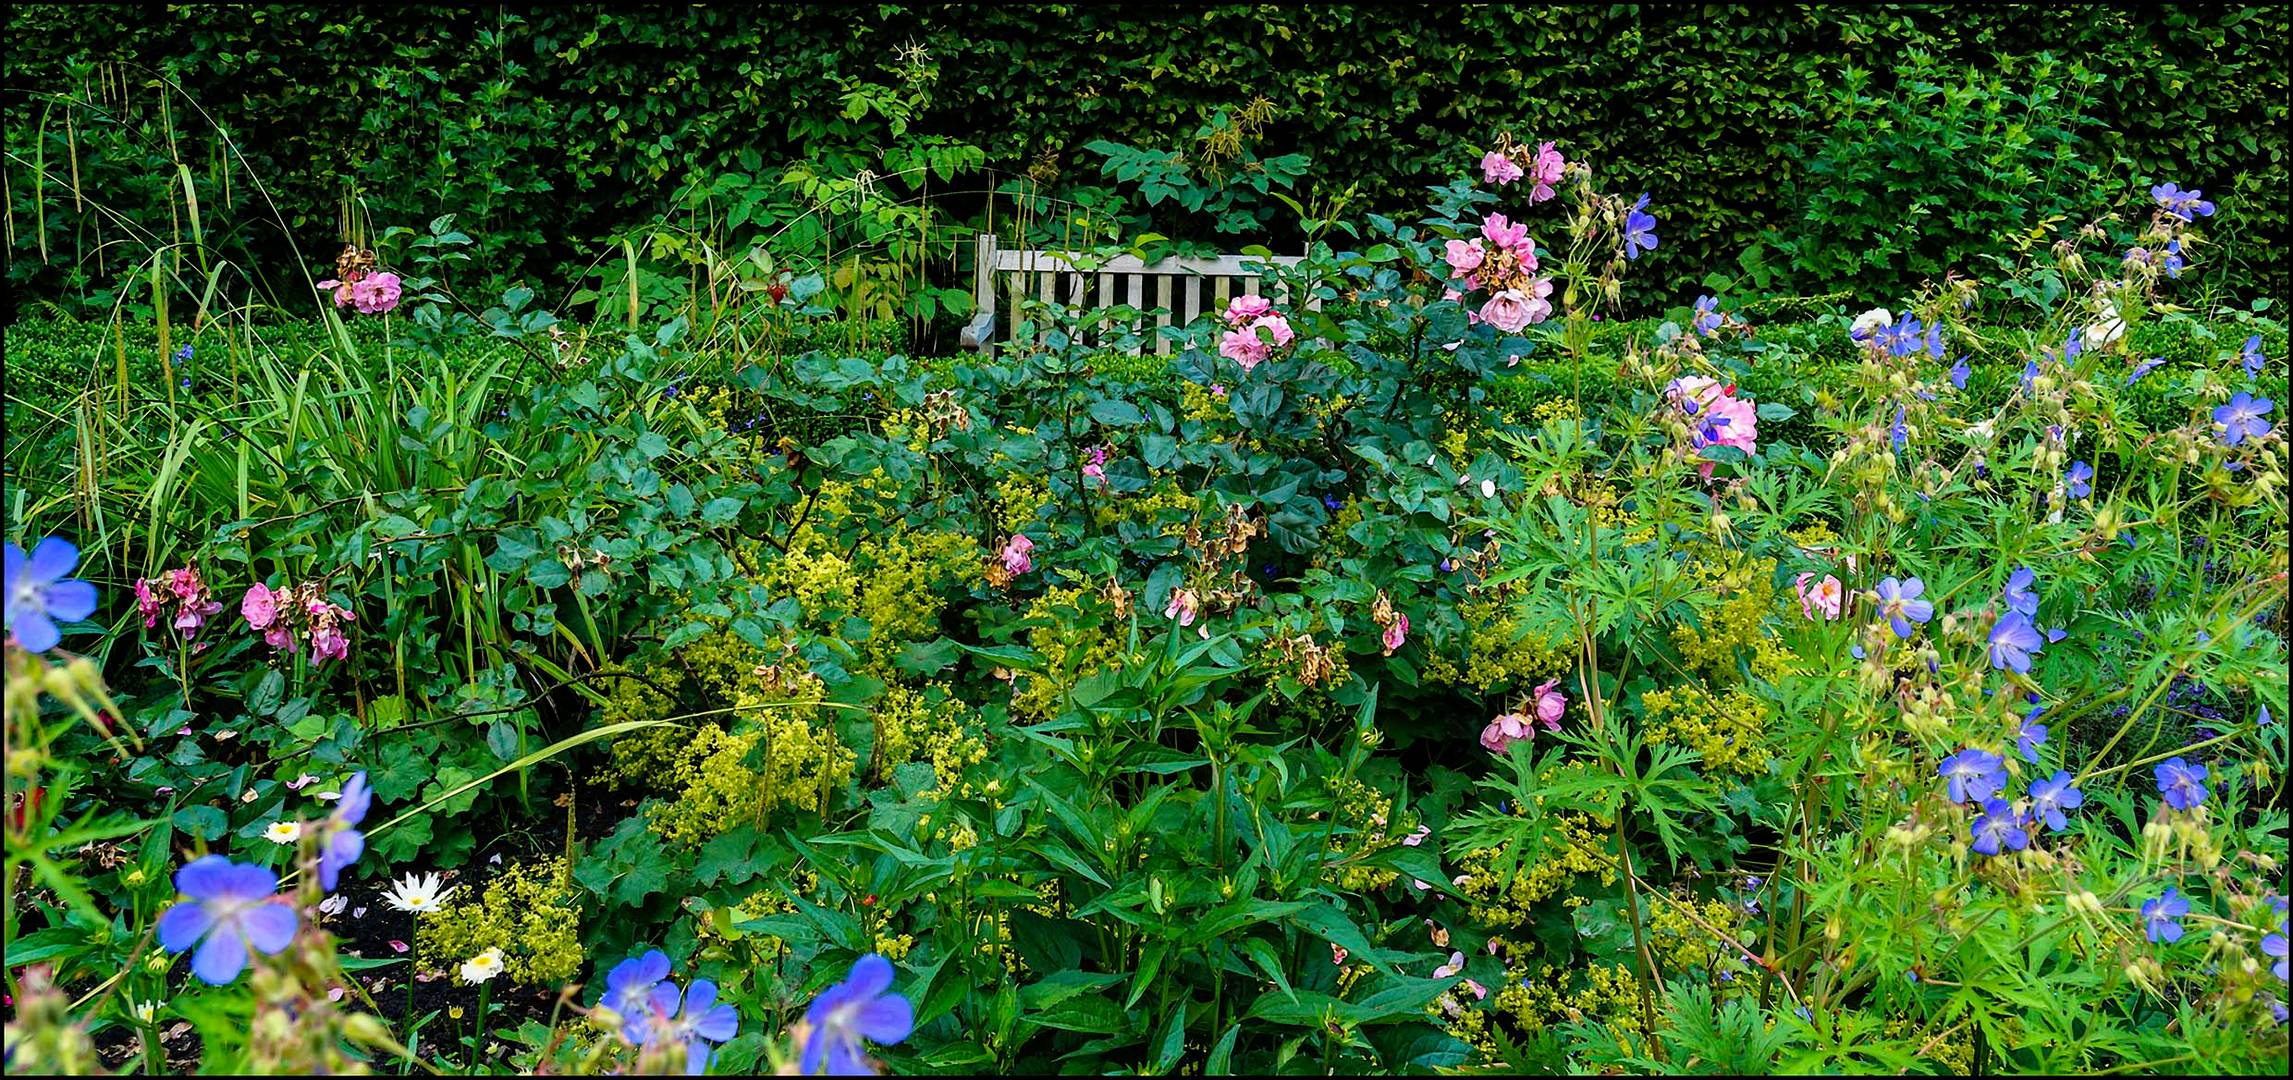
(632, 695)
(929, 723)
(532, 913)
(1729, 730)
(1497, 658)
(715, 790)
(1367, 812)
(1143, 508)
(1580, 849)
(1069, 650)
(1021, 496)
(1197, 403)
(1535, 997)
(1681, 946)
(1956, 1054)
(901, 595)
(1738, 622)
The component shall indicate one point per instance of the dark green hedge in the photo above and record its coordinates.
(551, 132)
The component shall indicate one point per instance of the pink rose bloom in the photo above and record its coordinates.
(376, 293)
(1824, 597)
(279, 637)
(1243, 347)
(260, 607)
(1451, 294)
(1465, 256)
(1397, 633)
(184, 583)
(1506, 235)
(1506, 730)
(1507, 311)
(1547, 171)
(147, 603)
(1551, 703)
(1496, 168)
(1183, 607)
(1721, 418)
(1015, 551)
(1242, 309)
(342, 291)
(1277, 326)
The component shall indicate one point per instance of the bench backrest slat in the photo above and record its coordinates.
(1177, 295)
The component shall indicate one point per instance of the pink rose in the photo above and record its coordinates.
(1015, 558)
(1276, 326)
(1397, 633)
(342, 291)
(1506, 235)
(1465, 256)
(279, 637)
(1496, 168)
(1719, 417)
(1242, 309)
(1507, 311)
(1824, 597)
(260, 607)
(1506, 730)
(1243, 347)
(1551, 703)
(375, 294)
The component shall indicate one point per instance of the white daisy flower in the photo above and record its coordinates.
(483, 966)
(283, 832)
(416, 894)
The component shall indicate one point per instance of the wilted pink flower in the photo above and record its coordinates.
(1456, 964)
(1396, 633)
(1823, 596)
(1015, 558)
(1183, 606)
(1095, 465)
(260, 607)
(328, 643)
(1418, 837)
(1547, 170)
(1243, 309)
(1496, 168)
(1504, 234)
(1465, 256)
(342, 291)
(146, 603)
(1506, 730)
(1551, 703)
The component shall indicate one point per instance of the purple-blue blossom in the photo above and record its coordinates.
(1973, 775)
(860, 1007)
(2144, 368)
(698, 1021)
(2185, 205)
(629, 992)
(1959, 373)
(2250, 357)
(1639, 229)
(1707, 315)
(2020, 597)
(40, 594)
(1997, 830)
(2051, 796)
(1900, 605)
(2161, 917)
(2241, 419)
(2181, 784)
(342, 843)
(2013, 641)
(2031, 735)
(1898, 434)
(2079, 481)
(228, 910)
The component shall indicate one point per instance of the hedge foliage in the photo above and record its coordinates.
(549, 128)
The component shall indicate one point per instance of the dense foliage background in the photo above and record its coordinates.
(550, 129)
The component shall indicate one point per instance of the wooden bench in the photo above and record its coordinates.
(1172, 291)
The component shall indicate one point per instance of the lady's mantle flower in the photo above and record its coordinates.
(1639, 229)
(228, 909)
(1900, 605)
(482, 967)
(1997, 830)
(2241, 419)
(2013, 641)
(40, 595)
(860, 1007)
(416, 894)
(2181, 784)
(1973, 775)
(283, 832)
(1822, 599)
(2050, 797)
(2160, 917)
(342, 843)
(698, 1022)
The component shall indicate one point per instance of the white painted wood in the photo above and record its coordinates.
(1178, 285)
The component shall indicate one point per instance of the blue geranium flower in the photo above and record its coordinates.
(1639, 229)
(2031, 735)
(2079, 481)
(1707, 315)
(2241, 419)
(2181, 784)
(2013, 641)
(2250, 357)
(2020, 597)
(1997, 830)
(228, 909)
(1973, 775)
(2161, 917)
(1959, 373)
(344, 843)
(860, 1007)
(629, 992)
(2144, 368)
(2185, 205)
(701, 1025)
(1898, 434)
(40, 595)
(1900, 605)
(2051, 796)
